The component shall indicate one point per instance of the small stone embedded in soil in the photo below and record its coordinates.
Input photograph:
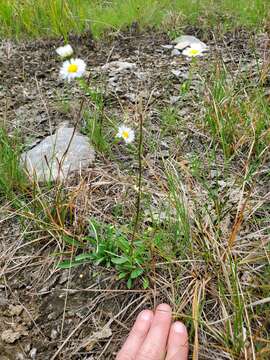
(213, 173)
(9, 336)
(89, 342)
(19, 356)
(174, 99)
(176, 73)
(52, 316)
(15, 310)
(54, 334)
(3, 299)
(167, 47)
(27, 347)
(187, 40)
(141, 75)
(175, 52)
(64, 276)
(33, 353)
(46, 161)
(115, 67)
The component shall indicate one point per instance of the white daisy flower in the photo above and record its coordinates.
(194, 50)
(126, 133)
(73, 68)
(64, 51)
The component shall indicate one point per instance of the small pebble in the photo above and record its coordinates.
(19, 356)
(174, 99)
(167, 47)
(33, 353)
(54, 334)
(175, 52)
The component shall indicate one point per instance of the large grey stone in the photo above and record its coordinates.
(187, 40)
(53, 158)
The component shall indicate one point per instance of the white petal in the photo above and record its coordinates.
(64, 51)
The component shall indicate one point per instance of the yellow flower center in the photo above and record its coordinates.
(72, 68)
(194, 52)
(125, 134)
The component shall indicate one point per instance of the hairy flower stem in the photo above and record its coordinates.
(79, 116)
(138, 203)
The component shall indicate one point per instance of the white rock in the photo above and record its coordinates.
(167, 47)
(176, 73)
(174, 99)
(54, 334)
(187, 40)
(45, 161)
(33, 353)
(175, 52)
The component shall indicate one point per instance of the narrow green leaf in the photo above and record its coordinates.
(120, 260)
(136, 273)
(122, 275)
(129, 283)
(85, 256)
(67, 264)
(70, 241)
(145, 283)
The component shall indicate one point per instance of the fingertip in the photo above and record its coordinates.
(179, 328)
(164, 308)
(146, 315)
(137, 335)
(155, 343)
(178, 342)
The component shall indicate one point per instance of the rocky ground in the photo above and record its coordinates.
(84, 313)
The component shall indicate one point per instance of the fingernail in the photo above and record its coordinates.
(164, 307)
(179, 327)
(145, 315)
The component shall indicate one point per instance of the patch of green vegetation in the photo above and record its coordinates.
(95, 118)
(110, 247)
(237, 115)
(59, 17)
(12, 178)
(170, 121)
(132, 255)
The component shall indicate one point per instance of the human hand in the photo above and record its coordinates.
(154, 337)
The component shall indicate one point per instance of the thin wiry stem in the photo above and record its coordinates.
(138, 203)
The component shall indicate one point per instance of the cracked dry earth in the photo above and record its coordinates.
(33, 293)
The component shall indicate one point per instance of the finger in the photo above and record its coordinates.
(136, 336)
(154, 346)
(177, 347)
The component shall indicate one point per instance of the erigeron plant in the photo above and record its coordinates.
(192, 52)
(128, 257)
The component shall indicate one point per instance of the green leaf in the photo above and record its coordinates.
(123, 244)
(85, 256)
(145, 283)
(129, 283)
(120, 260)
(136, 273)
(69, 240)
(122, 275)
(99, 261)
(67, 264)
